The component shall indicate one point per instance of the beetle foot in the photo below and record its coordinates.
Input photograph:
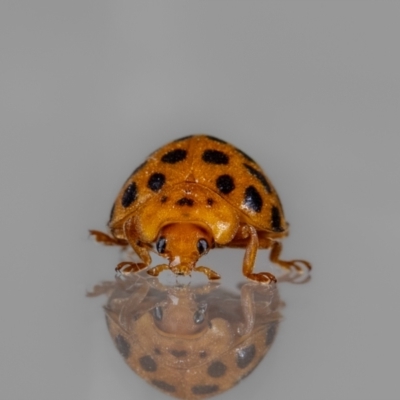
(212, 275)
(127, 267)
(156, 270)
(300, 266)
(262, 277)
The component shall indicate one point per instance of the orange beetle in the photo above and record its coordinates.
(196, 193)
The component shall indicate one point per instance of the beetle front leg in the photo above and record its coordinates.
(142, 251)
(127, 267)
(212, 275)
(250, 257)
(156, 270)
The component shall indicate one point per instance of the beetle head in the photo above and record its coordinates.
(183, 244)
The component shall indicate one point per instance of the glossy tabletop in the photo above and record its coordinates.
(310, 90)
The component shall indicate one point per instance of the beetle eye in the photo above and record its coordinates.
(202, 246)
(160, 245)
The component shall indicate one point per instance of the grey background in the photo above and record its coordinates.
(309, 89)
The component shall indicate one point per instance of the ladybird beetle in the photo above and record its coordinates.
(203, 340)
(194, 194)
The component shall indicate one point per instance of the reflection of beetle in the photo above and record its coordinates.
(192, 195)
(191, 343)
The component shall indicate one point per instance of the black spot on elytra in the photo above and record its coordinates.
(210, 202)
(246, 156)
(271, 332)
(137, 169)
(202, 354)
(216, 139)
(163, 385)
(157, 351)
(112, 212)
(182, 138)
(245, 356)
(225, 184)
(205, 389)
(260, 176)
(276, 219)
(123, 346)
(164, 199)
(217, 369)
(179, 353)
(147, 363)
(156, 182)
(215, 157)
(184, 201)
(253, 199)
(129, 195)
(174, 156)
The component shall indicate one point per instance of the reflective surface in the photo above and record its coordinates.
(191, 342)
(311, 90)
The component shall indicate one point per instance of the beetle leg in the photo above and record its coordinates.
(126, 267)
(107, 240)
(212, 275)
(156, 270)
(299, 265)
(250, 257)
